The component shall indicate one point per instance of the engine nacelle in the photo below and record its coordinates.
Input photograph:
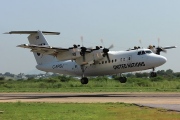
(68, 55)
(90, 57)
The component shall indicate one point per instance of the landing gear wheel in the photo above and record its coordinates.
(84, 80)
(153, 74)
(123, 79)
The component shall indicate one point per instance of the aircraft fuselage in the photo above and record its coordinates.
(120, 62)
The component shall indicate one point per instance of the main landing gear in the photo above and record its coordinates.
(122, 79)
(84, 80)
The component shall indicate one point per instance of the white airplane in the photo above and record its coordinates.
(82, 61)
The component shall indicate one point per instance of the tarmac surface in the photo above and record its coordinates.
(169, 101)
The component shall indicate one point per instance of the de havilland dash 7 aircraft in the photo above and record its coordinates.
(82, 61)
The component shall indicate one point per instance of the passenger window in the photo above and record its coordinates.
(139, 53)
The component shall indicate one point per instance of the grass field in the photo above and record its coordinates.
(86, 111)
(82, 111)
(94, 85)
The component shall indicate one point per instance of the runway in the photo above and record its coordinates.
(170, 101)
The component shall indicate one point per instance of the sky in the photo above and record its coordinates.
(119, 22)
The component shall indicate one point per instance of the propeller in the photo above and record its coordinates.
(159, 49)
(74, 47)
(83, 50)
(105, 52)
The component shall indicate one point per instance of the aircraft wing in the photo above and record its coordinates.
(44, 49)
(71, 53)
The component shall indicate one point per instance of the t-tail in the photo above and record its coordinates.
(37, 38)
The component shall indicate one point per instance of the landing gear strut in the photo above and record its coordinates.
(84, 80)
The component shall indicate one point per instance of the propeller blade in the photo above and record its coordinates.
(158, 41)
(108, 57)
(110, 47)
(105, 51)
(84, 58)
(140, 42)
(102, 42)
(163, 50)
(169, 47)
(83, 52)
(82, 40)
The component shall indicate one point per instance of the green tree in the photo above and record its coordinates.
(64, 78)
(169, 72)
(161, 72)
(2, 78)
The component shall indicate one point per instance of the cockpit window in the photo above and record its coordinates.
(144, 52)
(148, 51)
(139, 53)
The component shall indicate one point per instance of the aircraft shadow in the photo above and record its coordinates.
(55, 96)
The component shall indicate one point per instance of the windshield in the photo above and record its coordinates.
(144, 52)
(148, 51)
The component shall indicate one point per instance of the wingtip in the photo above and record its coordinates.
(6, 33)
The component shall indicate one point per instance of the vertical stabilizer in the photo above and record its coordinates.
(37, 38)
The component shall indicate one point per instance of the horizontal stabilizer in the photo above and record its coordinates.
(32, 32)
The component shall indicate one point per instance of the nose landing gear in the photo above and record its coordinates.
(153, 74)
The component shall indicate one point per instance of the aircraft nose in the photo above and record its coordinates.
(162, 59)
